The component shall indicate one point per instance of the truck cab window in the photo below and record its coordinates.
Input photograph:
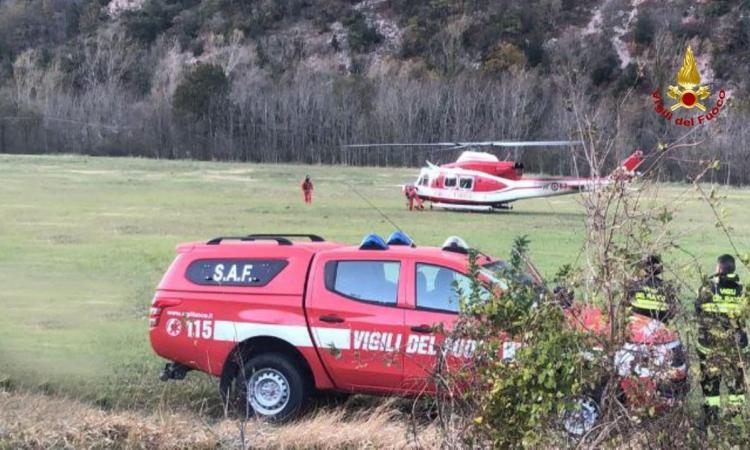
(439, 288)
(370, 281)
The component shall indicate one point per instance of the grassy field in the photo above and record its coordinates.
(84, 241)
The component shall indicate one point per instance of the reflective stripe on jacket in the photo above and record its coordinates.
(649, 298)
(725, 297)
(732, 400)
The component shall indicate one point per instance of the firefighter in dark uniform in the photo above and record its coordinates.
(721, 309)
(650, 295)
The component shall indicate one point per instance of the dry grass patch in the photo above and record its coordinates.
(377, 427)
(34, 421)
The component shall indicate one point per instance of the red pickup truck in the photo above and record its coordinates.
(278, 316)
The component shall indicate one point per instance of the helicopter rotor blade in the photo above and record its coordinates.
(434, 144)
(447, 149)
(459, 145)
(522, 143)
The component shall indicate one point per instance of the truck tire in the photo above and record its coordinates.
(585, 412)
(270, 386)
(582, 417)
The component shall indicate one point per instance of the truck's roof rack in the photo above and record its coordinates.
(312, 237)
(282, 239)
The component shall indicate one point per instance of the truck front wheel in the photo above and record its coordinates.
(270, 386)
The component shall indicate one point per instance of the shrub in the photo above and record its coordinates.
(718, 8)
(203, 87)
(504, 57)
(689, 29)
(186, 26)
(534, 51)
(605, 65)
(362, 36)
(643, 33)
(628, 78)
(416, 37)
(738, 35)
(147, 23)
(89, 18)
(515, 398)
(483, 35)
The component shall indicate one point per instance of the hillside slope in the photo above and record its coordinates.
(294, 79)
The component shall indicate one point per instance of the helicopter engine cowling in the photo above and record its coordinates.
(502, 169)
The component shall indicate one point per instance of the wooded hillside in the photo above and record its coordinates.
(293, 80)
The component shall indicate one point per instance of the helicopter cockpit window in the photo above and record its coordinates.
(424, 180)
(450, 182)
(466, 183)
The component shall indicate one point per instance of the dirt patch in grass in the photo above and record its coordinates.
(63, 239)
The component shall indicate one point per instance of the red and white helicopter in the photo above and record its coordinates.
(479, 181)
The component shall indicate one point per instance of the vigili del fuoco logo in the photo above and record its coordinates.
(688, 94)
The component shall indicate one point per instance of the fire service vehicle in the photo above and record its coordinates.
(479, 181)
(278, 317)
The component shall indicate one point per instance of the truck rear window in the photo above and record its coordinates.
(369, 281)
(234, 272)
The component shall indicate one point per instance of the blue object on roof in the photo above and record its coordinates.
(373, 242)
(398, 237)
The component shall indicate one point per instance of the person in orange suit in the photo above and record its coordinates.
(417, 199)
(412, 197)
(307, 189)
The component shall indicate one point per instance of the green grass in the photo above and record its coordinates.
(84, 241)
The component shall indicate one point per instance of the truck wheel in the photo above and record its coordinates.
(270, 386)
(582, 416)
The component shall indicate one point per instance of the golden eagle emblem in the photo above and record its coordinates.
(688, 79)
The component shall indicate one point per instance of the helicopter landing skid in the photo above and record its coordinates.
(476, 208)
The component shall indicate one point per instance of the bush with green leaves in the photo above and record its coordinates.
(529, 364)
(203, 87)
(362, 36)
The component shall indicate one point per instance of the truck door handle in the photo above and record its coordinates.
(421, 329)
(331, 319)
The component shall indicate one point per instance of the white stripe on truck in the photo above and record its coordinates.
(338, 338)
(296, 335)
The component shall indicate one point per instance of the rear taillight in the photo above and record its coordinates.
(157, 306)
(153, 317)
